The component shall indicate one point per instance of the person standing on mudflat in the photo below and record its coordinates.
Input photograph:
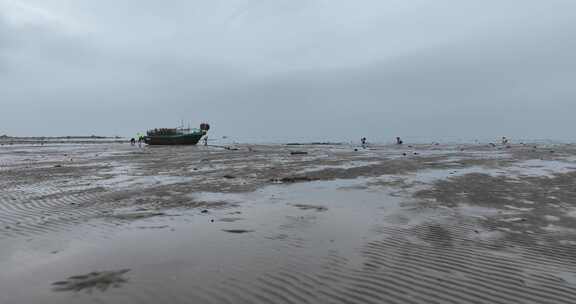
(140, 140)
(364, 141)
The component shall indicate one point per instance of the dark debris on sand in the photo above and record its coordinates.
(100, 280)
(310, 207)
(237, 231)
(294, 179)
(135, 215)
(298, 153)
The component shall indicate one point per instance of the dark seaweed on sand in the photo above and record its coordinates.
(100, 280)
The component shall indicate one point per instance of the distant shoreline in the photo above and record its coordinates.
(8, 140)
(6, 137)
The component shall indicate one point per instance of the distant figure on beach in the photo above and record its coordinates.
(364, 141)
(206, 140)
(140, 140)
(399, 141)
(504, 140)
(132, 141)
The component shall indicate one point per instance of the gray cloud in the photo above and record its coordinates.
(283, 70)
(6, 38)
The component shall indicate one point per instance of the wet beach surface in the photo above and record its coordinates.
(112, 223)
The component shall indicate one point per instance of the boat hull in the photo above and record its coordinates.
(167, 140)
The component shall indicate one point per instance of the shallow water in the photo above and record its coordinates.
(192, 250)
(282, 254)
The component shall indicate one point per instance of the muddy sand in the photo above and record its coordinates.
(111, 223)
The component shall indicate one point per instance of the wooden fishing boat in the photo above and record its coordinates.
(176, 136)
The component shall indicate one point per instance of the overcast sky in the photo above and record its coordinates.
(282, 70)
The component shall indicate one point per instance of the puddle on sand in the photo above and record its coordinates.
(535, 167)
(348, 165)
(279, 229)
(525, 168)
(126, 177)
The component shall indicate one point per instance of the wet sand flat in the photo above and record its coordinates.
(111, 223)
